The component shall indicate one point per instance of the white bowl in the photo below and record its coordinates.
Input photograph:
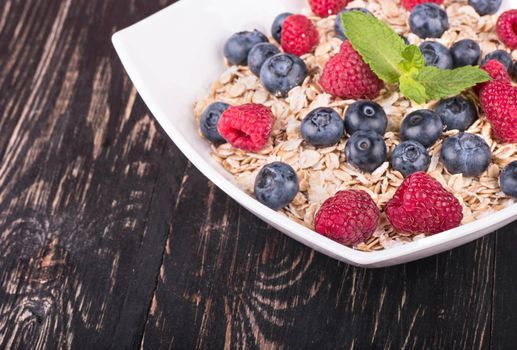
(173, 56)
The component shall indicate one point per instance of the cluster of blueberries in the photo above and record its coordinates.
(463, 53)
(279, 72)
(464, 153)
(366, 122)
(429, 20)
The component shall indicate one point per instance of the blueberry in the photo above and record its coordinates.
(457, 113)
(436, 55)
(365, 115)
(322, 127)
(259, 54)
(276, 185)
(508, 180)
(282, 72)
(423, 126)
(485, 7)
(465, 52)
(406, 41)
(428, 20)
(500, 55)
(236, 48)
(208, 122)
(366, 150)
(514, 70)
(466, 154)
(409, 157)
(338, 24)
(276, 28)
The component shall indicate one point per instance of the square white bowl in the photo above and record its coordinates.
(173, 56)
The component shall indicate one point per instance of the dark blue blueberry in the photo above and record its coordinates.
(465, 52)
(236, 48)
(276, 185)
(423, 126)
(322, 127)
(338, 25)
(208, 122)
(466, 154)
(457, 113)
(500, 55)
(409, 157)
(365, 115)
(366, 150)
(436, 55)
(406, 41)
(514, 70)
(259, 54)
(485, 7)
(508, 180)
(278, 23)
(428, 20)
(282, 72)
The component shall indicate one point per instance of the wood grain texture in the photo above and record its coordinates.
(110, 239)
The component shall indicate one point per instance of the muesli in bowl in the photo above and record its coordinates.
(371, 122)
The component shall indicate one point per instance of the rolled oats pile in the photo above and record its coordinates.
(324, 171)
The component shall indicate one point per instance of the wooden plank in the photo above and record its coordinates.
(230, 281)
(504, 317)
(86, 179)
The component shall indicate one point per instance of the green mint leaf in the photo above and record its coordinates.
(412, 60)
(379, 46)
(440, 83)
(394, 62)
(412, 89)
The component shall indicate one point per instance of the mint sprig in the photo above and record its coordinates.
(394, 62)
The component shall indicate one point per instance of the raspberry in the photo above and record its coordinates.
(507, 28)
(299, 35)
(497, 72)
(409, 4)
(350, 217)
(325, 8)
(499, 101)
(347, 76)
(247, 126)
(422, 205)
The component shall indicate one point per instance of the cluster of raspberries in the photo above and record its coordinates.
(420, 205)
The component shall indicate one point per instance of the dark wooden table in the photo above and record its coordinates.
(110, 238)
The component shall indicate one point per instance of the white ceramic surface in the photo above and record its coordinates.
(173, 56)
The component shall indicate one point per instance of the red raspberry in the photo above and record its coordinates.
(247, 126)
(507, 28)
(422, 205)
(325, 8)
(350, 217)
(499, 101)
(497, 72)
(347, 76)
(409, 4)
(299, 35)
